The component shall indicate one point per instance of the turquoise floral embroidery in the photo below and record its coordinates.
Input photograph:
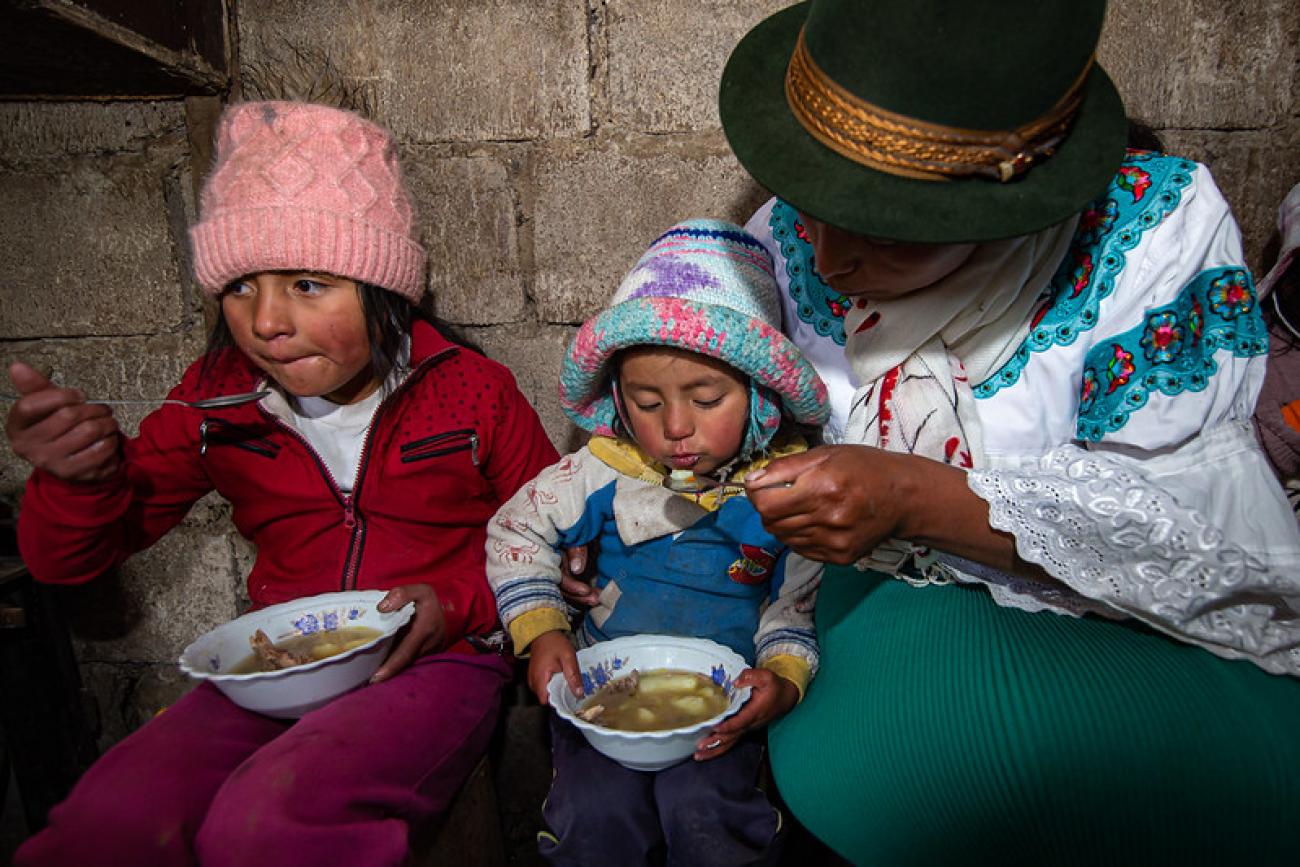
(1162, 338)
(1172, 351)
(1088, 393)
(1145, 191)
(816, 303)
(1230, 296)
(1119, 368)
(1133, 181)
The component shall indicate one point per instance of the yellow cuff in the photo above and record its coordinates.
(793, 668)
(530, 624)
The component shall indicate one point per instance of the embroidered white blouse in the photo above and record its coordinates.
(1117, 441)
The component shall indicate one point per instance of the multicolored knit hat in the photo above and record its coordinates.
(705, 286)
(303, 187)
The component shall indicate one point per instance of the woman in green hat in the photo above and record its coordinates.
(1044, 353)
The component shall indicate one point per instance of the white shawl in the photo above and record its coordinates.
(914, 357)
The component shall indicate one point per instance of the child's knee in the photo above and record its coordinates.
(721, 817)
(91, 824)
(250, 811)
(585, 825)
(570, 802)
(710, 832)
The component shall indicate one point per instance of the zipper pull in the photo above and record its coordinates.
(349, 515)
(473, 448)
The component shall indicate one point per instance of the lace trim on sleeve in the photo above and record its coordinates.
(1102, 528)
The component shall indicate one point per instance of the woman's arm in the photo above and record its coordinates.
(1110, 528)
(845, 500)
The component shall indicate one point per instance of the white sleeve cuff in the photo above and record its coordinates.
(1100, 524)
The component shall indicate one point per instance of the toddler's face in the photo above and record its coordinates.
(862, 267)
(306, 331)
(687, 411)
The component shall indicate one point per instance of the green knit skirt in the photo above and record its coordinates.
(943, 729)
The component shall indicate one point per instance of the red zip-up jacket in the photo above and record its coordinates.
(444, 451)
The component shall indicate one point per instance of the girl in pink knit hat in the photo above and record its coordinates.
(374, 461)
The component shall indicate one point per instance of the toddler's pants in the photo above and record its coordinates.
(704, 813)
(207, 781)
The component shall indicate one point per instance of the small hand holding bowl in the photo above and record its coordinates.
(603, 662)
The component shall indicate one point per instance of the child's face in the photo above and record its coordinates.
(687, 411)
(862, 267)
(306, 331)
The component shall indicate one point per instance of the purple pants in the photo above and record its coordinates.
(694, 814)
(208, 782)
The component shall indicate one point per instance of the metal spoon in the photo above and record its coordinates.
(698, 483)
(224, 401)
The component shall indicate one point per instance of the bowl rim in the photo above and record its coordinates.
(402, 616)
(557, 684)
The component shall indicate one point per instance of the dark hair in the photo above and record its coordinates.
(388, 320)
(1285, 300)
(1142, 136)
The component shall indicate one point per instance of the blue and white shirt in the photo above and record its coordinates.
(664, 564)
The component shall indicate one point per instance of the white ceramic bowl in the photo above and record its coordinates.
(292, 692)
(649, 751)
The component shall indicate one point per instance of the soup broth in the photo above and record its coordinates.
(307, 648)
(655, 700)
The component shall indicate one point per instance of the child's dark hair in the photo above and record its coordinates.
(1282, 308)
(388, 321)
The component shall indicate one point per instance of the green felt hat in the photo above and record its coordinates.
(973, 68)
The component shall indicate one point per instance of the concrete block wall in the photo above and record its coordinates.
(547, 142)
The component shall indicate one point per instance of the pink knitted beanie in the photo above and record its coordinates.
(302, 187)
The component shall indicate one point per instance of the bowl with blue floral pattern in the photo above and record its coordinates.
(607, 661)
(287, 660)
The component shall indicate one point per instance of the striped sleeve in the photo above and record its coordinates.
(786, 627)
(558, 509)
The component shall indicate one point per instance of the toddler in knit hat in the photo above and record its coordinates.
(688, 387)
(373, 460)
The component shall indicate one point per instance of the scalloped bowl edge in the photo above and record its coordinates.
(291, 692)
(651, 750)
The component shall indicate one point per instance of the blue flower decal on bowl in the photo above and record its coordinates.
(324, 620)
(601, 673)
(606, 670)
(307, 624)
(722, 679)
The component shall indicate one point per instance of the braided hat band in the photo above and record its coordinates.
(704, 286)
(899, 145)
